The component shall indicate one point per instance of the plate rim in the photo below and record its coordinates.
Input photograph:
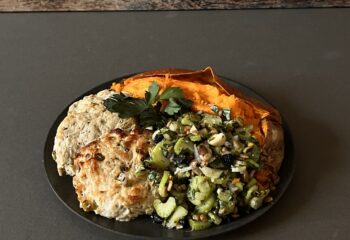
(288, 141)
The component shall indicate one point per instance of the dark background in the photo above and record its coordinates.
(298, 59)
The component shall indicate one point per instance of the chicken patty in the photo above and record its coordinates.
(110, 179)
(86, 120)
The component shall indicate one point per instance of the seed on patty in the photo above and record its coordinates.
(99, 157)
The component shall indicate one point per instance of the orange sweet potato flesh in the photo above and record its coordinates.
(203, 87)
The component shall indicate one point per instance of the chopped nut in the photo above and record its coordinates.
(250, 146)
(203, 217)
(179, 226)
(236, 180)
(218, 139)
(205, 154)
(219, 190)
(195, 217)
(268, 199)
(186, 129)
(202, 150)
(193, 130)
(193, 163)
(244, 156)
(170, 185)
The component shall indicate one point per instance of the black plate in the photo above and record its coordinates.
(143, 227)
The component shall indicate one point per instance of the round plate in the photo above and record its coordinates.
(142, 227)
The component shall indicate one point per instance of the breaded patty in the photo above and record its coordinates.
(86, 120)
(109, 179)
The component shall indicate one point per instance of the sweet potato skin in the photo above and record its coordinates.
(265, 119)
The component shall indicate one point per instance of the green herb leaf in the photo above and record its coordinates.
(151, 117)
(227, 113)
(113, 100)
(172, 107)
(148, 110)
(131, 107)
(185, 104)
(118, 97)
(125, 106)
(172, 92)
(152, 93)
(148, 98)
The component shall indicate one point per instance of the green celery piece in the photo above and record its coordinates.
(158, 161)
(207, 205)
(183, 145)
(162, 185)
(199, 225)
(179, 213)
(164, 210)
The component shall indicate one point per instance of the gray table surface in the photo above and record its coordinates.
(298, 59)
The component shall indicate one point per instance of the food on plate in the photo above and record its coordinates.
(212, 162)
(179, 145)
(111, 179)
(86, 120)
(205, 89)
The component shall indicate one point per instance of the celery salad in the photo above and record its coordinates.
(202, 164)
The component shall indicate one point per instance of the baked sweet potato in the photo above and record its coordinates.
(204, 88)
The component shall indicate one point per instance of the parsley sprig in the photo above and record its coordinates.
(148, 110)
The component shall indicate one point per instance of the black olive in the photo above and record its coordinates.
(156, 219)
(183, 180)
(190, 207)
(227, 159)
(180, 159)
(217, 163)
(217, 207)
(184, 223)
(227, 219)
(159, 137)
